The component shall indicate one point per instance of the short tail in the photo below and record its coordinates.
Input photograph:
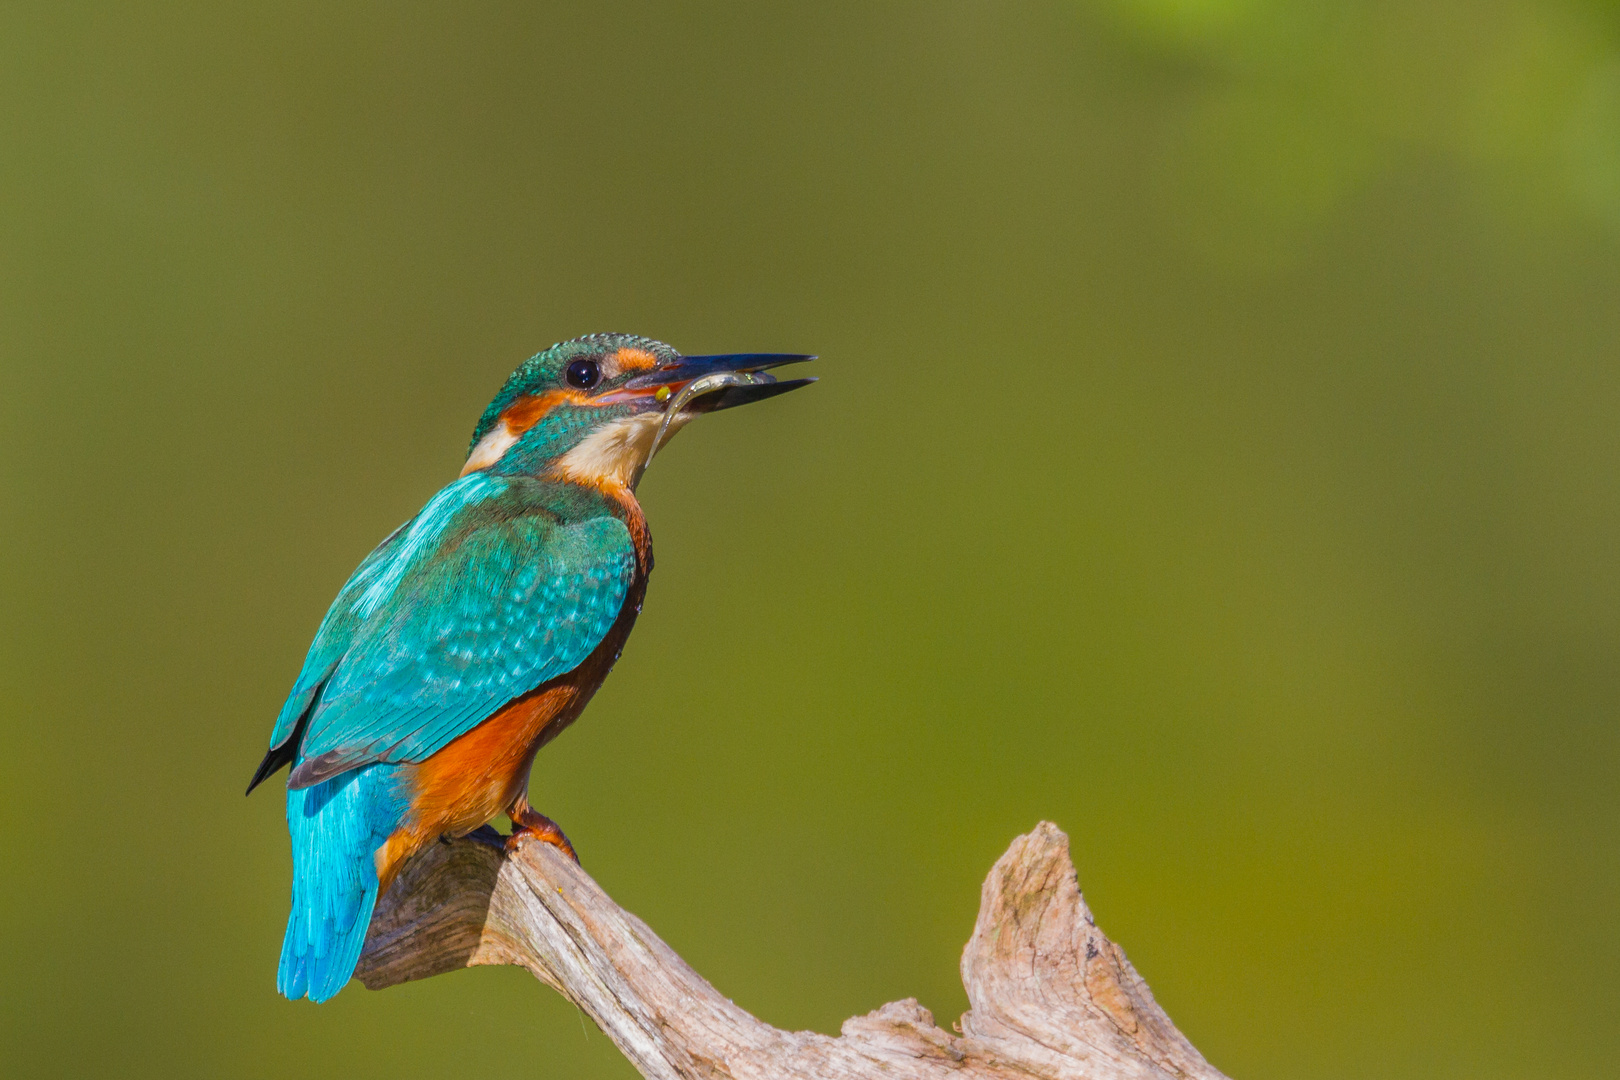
(336, 826)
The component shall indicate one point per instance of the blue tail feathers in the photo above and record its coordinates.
(336, 828)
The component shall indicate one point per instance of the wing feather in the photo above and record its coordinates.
(449, 620)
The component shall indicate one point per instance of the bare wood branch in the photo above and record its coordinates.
(1051, 996)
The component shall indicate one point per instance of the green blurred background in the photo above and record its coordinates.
(1216, 454)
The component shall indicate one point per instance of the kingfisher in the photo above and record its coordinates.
(478, 630)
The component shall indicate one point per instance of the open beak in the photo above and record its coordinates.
(711, 383)
(700, 384)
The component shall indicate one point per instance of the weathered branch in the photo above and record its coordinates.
(1050, 995)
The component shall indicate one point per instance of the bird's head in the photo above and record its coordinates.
(594, 410)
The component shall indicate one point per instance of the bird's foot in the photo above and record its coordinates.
(529, 823)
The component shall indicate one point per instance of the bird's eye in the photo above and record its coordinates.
(584, 374)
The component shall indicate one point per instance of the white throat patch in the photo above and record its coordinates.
(615, 454)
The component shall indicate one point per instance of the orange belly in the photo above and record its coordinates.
(478, 775)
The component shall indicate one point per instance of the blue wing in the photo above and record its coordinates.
(480, 598)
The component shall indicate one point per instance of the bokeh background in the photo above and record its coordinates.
(1216, 453)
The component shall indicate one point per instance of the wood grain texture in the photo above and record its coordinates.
(1051, 996)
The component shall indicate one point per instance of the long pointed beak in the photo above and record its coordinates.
(702, 384)
(718, 382)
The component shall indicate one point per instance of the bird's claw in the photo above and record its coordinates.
(529, 824)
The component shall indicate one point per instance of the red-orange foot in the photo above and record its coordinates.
(529, 823)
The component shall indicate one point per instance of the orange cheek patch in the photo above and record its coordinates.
(634, 359)
(526, 412)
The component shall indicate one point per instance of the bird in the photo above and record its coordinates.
(478, 630)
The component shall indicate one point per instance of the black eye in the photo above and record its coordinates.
(584, 374)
